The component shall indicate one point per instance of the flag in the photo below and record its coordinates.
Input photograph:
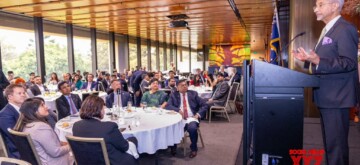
(275, 40)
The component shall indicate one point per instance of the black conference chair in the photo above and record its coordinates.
(25, 146)
(84, 150)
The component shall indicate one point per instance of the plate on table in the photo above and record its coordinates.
(66, 125)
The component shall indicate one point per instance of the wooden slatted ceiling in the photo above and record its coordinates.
(211, 21)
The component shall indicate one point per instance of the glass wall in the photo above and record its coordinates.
(161, 56)
(144, 55)
(55, 47)
(153, 56)
(132, 53)
(168, 62)
(183, 59)
(82, 51)
(195, 64)
(103, 52)
(18, 51)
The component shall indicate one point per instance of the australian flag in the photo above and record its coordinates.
(275, 40)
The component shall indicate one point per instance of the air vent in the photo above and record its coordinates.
(178, 17)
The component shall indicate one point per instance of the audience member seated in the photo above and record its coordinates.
(234, 76)
(200, 73)
(68, 103)
(38, 88)
(67, 78)
(31, 80)
(160, 78)
(77, 83)
(117, 97)
(32, 120)
(90, 84)
(222, 71)
(192, 108)
(209, 79)
(171, 75)
(221, 92)
(196, 81)
(106, 81)
(15, 95)
(145, 82)
(124, 85)
(154, 97)
(91, 126)
(54, 79)
(172, 85)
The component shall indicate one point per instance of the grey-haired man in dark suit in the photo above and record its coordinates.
(334, 61)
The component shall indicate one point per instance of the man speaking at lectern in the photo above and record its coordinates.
(335, 62)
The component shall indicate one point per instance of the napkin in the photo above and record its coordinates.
(191, 119)
(132, 150)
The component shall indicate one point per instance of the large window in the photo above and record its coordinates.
(153, 56)
(132, 53)
(144, 55)
(103, 54)
(194, 61)
(18, 52)
(82, 51)
(168, 62)
(183, 62)
(161, 56)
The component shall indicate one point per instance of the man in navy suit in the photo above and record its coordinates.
(10, 114)
(90, 84)
(189, 105)
(334, 61)
(118, 97)
(135, 84)
(67, 104)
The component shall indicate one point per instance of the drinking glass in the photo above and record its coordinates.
(144, 105)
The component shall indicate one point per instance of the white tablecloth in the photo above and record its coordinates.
(154, 132)
(50, 100)
(204, 92)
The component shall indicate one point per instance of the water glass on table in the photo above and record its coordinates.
(144, 105)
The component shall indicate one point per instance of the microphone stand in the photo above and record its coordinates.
(285, 47)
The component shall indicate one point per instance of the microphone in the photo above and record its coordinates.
(118, 91)
(287, 45)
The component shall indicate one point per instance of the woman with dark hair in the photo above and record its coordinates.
(77, 83)
(154, 97)
(91, 126)
(54, 79)
(33, 120)
(196, 81)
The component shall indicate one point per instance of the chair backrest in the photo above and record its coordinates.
(85, 95)
(85, 149)
(13, 161)
(228, 96)
(4, 145)
(25, 146)
(233, 91)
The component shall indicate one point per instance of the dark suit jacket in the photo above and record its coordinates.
(3, 84)
(237, 78)
(124, 85)
(36, 90)
(63, 106)
(93, 85)
(338, 69)
(125, 98)
(8, 118)
(115, 143)
(197, 104)
(136, 80)
(221, 93)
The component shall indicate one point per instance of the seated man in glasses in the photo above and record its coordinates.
(192, 108)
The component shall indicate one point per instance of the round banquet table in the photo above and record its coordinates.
(50, 99)
(204, 92)
(156, 131)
